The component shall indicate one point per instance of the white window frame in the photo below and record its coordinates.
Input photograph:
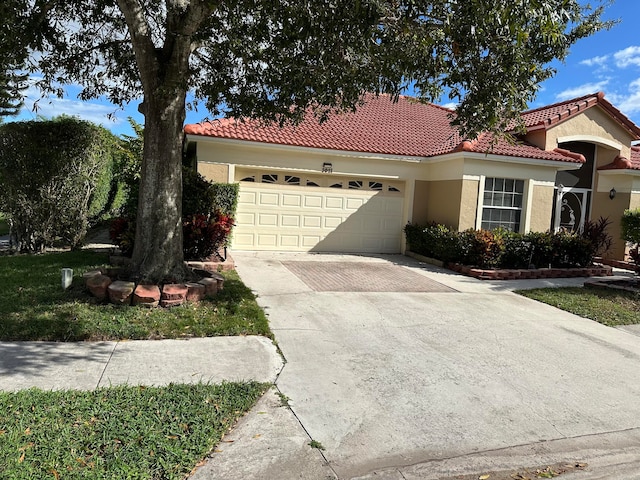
(483, 206)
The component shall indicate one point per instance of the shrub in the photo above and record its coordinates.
(630, 224)
(417, 239)
(505, 249)
(203, 236)
(207, 212)
(226, 197)
(482, 248)
(571, 250)
(122, 232)
(55, 178)
(517, 250)
(198, 196)
(542, 254)
(435, 240)
(127, 172)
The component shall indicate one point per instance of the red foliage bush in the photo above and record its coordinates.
(122, 232)
(203, 236)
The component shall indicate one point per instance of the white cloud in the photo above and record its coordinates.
(52, 106)
(627, 57)
(450, 105)
(581, 90)
(630, 102)
(595, 61)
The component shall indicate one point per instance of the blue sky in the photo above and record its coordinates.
(609, 61)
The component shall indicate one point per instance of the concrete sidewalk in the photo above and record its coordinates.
(86, 366)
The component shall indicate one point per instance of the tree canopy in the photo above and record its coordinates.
(275, 60)
(13, 55)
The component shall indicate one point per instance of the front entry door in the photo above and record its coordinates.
(571, 208)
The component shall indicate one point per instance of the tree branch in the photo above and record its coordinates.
(141, 40)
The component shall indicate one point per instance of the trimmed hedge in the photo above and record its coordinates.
(505, 249)
(56, 178)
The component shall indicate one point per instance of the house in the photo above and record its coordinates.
(352, 183)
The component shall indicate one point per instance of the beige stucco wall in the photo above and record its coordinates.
(634, 200)
(468, 204)
(594, 123)
(603, 206)
(421, 203)
(214, 172)
(537, 137)
(443, 202)
(543, 172)
(605, 156)
(255, 154)
(542, 208)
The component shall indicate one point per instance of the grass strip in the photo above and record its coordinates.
(607, 306)
(33, 306)
(117, 432)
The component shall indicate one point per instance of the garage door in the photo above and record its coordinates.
(292, 212)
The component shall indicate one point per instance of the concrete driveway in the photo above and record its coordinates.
(402, 370)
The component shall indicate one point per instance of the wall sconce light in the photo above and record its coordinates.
(612, 193)
(327, 168)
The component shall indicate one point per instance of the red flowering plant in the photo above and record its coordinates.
(122, 232)
(203, 236)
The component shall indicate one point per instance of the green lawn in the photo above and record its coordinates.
(118, 432)
(124, 431)
(33, 306)
(606, 306)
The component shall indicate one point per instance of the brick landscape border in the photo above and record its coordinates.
(618, 264)
(105, 284)
(518, 274)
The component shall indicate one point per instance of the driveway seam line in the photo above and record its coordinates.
(307, 432)
(113, 350)
(494, 450)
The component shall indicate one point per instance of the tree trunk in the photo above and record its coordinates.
(157, 254)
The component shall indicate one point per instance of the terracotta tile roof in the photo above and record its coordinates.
(622, 163)
(635, 158)
(519, 149)
(550, 115)
(406, 128)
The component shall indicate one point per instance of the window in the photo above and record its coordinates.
(355, 184)
(248, 179)
(502, 203)
(375, 186)
(291, 180)
(268, 178)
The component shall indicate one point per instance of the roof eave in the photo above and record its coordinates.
(557, 164)
(620, 171)
(298, 148)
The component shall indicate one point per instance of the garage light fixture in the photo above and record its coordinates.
(327, 168)
(612, 193)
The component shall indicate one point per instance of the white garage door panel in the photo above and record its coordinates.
(299, 218)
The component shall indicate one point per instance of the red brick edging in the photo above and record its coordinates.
(517, 274)
(104, 284)
(619, 264)
(534, 273)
